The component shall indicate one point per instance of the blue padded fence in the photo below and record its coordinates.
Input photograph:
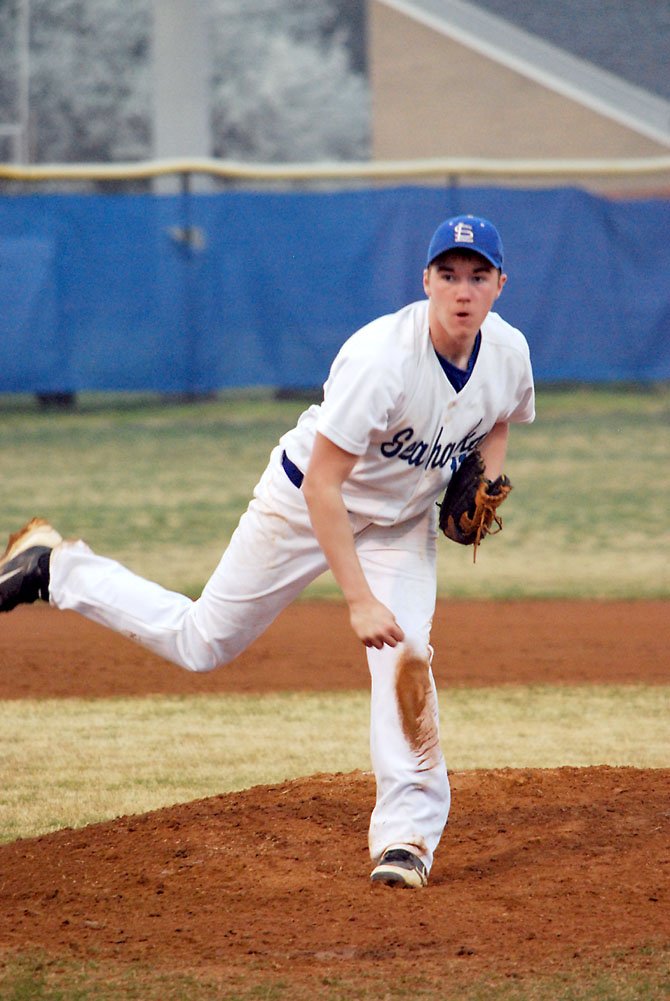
(101, 292)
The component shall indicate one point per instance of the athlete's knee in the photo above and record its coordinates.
(200, 657)
(199, 665)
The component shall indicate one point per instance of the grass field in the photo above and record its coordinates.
(161, 485)
(110, 757)
(37, 978)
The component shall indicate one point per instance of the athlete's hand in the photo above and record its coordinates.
(374, 624)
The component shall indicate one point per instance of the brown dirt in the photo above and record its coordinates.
(49, 654)
(539, 871)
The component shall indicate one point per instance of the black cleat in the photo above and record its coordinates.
(399, 867)
(24, 565)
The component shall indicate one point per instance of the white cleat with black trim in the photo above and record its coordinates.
(24, 565)
(399, 867)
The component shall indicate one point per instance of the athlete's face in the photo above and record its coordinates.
(462, 288)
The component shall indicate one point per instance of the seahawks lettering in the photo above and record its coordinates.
(416, 452)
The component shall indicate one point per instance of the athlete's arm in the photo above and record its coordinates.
(494, 450)
(329, 466)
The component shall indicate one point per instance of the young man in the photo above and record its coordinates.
(352, 487)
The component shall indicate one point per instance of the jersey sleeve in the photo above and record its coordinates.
(362, 391)
(524, 410)
(514, 372)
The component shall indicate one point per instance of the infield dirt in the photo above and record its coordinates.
(539, 871)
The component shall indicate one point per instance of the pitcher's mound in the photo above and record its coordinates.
(538, 871)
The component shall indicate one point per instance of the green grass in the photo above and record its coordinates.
(588, 515)
(35, 977)
(161, 486)
(110, 757)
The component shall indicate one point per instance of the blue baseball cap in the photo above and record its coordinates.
(467, 232)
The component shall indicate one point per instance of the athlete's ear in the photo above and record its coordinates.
(501, 283)
(426, 281)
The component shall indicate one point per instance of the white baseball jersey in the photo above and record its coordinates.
(388, 401)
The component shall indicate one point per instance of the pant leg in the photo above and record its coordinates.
(271, 557)
(413, 795)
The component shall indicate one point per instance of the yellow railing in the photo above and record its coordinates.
(373, 169)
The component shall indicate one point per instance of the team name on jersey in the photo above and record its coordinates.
(431, 455)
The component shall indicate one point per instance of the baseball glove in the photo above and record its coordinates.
(469, 508)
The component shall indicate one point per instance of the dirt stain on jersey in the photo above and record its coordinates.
(418, 711)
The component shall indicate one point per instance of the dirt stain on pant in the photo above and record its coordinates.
(417, 708)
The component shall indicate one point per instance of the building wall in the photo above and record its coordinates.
(433, 97)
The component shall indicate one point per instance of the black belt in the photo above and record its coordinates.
(294, 474)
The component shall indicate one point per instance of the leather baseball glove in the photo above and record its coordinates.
(469, 508)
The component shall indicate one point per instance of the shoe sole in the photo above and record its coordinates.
(38, 532)
(390, 875)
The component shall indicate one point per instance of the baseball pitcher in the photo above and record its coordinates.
(409, 439)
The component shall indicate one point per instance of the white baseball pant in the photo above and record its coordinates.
(272, 556)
